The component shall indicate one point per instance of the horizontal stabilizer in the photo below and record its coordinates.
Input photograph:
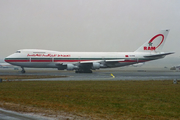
(159, 55)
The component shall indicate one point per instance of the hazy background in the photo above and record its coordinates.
(88, 25)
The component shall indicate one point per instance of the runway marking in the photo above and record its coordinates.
(112, 75)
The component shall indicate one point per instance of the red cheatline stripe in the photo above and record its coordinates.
(17, 60)
(67, 60)
(70, 60)
(41, 60)
(45, 60)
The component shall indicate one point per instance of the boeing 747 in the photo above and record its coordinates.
(85, 62)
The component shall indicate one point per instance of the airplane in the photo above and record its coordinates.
(6, 65)
(177, 67)
(85, 62)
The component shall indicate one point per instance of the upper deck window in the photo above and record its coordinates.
(39, 52)
(18, 51)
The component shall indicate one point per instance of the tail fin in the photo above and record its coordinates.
(155, 44)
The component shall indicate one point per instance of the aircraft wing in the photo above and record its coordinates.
(84, 63)
(159, 55)
(102, 61)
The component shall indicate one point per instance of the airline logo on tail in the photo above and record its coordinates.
(154, 47)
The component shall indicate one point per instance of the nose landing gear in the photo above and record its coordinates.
(23, 71)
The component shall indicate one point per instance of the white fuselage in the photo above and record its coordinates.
(52, 59)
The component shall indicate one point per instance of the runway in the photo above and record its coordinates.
(102, 75)
(115, 75)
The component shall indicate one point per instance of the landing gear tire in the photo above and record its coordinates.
(23, 71)
(83, 71)
(76, 71)
(88, 71)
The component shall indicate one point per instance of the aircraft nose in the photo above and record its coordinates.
(8, 58)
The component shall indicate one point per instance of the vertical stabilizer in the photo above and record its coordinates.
(156, 43)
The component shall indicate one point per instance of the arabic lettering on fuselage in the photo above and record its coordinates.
(48, 55)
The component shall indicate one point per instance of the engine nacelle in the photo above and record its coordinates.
(95, 66)
(71, 67)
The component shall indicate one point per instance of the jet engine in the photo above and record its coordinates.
(95, 66)
(71, 67)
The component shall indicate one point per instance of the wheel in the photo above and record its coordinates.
(83, 71)
(87, 71)
(23, 71)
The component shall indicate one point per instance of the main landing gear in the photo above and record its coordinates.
(23, 71)
(83, 71)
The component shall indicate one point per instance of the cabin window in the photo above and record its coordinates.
(18, 51)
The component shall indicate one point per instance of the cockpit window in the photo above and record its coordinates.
(18, 51)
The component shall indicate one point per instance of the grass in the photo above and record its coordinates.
(14, 77)
(98, 99)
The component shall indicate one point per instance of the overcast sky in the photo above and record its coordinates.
(87, 25)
